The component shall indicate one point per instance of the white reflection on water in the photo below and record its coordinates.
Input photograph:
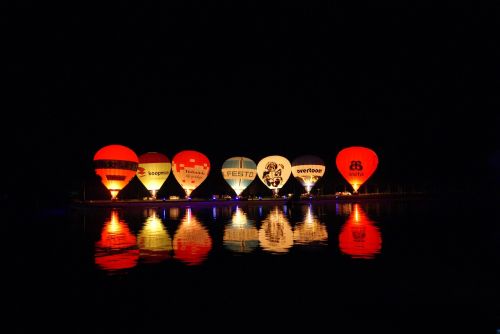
(275, 234)
(192, 242)
(241, 235)
(311, 230)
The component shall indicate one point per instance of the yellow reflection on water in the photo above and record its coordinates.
(310, 230)
(275, 234)
(359, 237)
(241, 235)
(192, 242)
(155, 244)
(117, 248)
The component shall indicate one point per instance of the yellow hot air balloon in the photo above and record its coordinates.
(154, 169)
(274, 171)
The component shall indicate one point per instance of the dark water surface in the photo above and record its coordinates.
(377, 266)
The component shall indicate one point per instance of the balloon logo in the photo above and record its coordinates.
(239, 172)
(308, 169)
(154, 169)
(190, 169)
(274, 171)
(356, 164)
(116, 165)
(359, 237)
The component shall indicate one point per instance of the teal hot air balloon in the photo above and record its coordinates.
(239, 172)
(308, 169)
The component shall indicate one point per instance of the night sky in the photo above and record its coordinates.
(417, 85)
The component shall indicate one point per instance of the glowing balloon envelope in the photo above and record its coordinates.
(154, 169)
(356, 164)
(116, 165)
(190, 169)
(274, 171)
(239, 172)
(308, 169)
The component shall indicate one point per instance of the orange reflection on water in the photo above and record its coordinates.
(275, 234)
(117, 248)
(154, 242)
(192, 243)
(241, 235)
(359, 237)
(310, 230)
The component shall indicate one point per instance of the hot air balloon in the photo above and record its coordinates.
(116, 165)
(153, 171)
(190, 169)
(239, 172)
(192, 242)
(359, 237)
(308, 169)
(274, 171)
(356, 164)
(117, 248)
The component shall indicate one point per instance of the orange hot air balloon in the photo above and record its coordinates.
(117, 248)
(359, 237)
(356, 164)
(116, 165)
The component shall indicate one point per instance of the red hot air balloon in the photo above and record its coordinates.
(190, 169)
(356, 164)
(116, 165)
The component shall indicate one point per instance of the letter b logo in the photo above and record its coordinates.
(356, 165)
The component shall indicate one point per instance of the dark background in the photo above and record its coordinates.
(419, 85)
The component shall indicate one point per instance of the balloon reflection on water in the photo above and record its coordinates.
(241, 235)
(192, 242)
(117, 248)
(275, 234)
(154, 242)
(359, 237)
(311, 230)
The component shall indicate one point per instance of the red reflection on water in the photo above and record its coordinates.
(117, 248)
(192, 243)
(359, 237)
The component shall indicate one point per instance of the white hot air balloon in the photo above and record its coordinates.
(274, 172)
(308, 169)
